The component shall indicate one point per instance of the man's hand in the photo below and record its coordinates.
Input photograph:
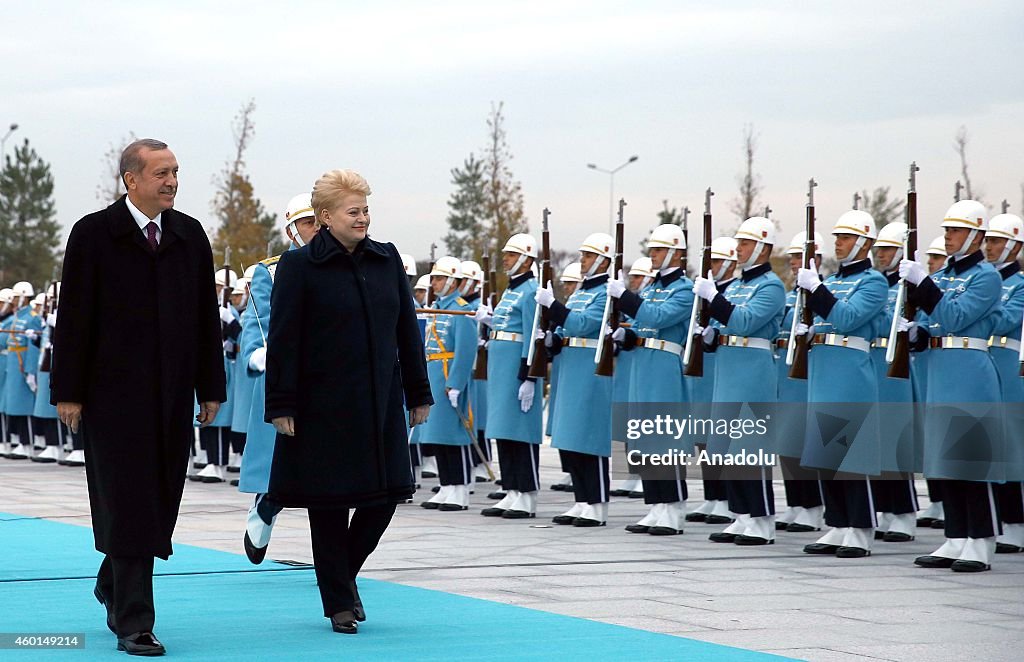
(808, 279)
(207, 412)
(70, 414)
(910, 327)
(526, 391)
(418, 415)
(483, 315)
(545, 296)
(30, 380)
(453, 397)
(913, 272)
(705, 288)
(226, 316)
(258, 359)
(284, 425)
(616, 286)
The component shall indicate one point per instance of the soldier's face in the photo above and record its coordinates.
(156, 185)
(569, 287)
(238, 300)
(844, 244)
(587, 260)
(795, 262)
(744, 249)
(884, 256)
(955, 238)
(994, 247)
(420, 295)
(935, 262)
(306, 228)
(635, 282)
(657, 255)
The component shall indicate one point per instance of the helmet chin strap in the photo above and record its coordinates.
(718, 275)
(754, 254)
(1004, 257)
(894, 264)
(964, 247)
(295, 236)
(447, 289)
(593, 267)
(518, 263)
(854, 252)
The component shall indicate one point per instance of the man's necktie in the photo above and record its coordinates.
(151, 235)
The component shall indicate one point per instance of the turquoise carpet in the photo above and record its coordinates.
(214, 605)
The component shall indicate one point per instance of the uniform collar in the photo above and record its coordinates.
(854, 267)
(520, 279)
(1009, 270)
(670, 278)
(755, 271)
(964, 263)
(594, 281)
(722, 284)
(469, 298)
(893, 277)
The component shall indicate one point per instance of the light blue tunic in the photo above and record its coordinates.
(43, 408)
(226, 411)
(5, 324)
(897, 438)
(478, 389)
(854, 298)
(447, 334)
(243, 386)
(582, 414)
(790, 424)
(513, 314)
(663, 313)
(1008, 324)
(22, 360)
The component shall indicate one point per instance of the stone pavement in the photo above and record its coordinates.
(773, 599)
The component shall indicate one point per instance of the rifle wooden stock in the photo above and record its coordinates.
(802, 343)
(606, 362)
(539, 365)
(899, 368)
(480, 366)
(695, 364)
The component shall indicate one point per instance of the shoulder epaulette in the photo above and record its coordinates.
(271, 260)
(461, 301)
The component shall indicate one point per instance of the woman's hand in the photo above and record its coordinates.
(284, 425)
(418, 415)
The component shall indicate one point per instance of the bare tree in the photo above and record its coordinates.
(747, 203)
(111, 187)
(504, 194)
(960, 145)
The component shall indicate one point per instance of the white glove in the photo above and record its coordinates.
(616, 286)
(229, 346)
(30, 379)
(549, 340)
(481, 342)
(453, 397)
(31, 334)
(526, 395)
(226, 316)
(539, 335)
(51, 319)
(545, 296)
(803, 330)
(909, 327)
(484, 314)
(808, 278)
(912, 272)
(619, 334)
(707, 333)
(705, 288)
(258, 360)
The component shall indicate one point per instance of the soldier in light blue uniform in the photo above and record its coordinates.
(846, 306)
(514, 400)
(571, 278)
(472, 282)
(19, 397)
(301, 227)
(1002, 249)
(963, 300)
(932, 516)
(641, 275)
(6, 317)
(746, 318)
(661, 316)
(715, 509)
(894, 493)
(582, 421)
(451, 350)
(44, 413)
(416, 457)
(242, 381)
(805, 508)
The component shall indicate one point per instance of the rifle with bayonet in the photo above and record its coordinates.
(480, 366)
(536, 359)
(700, 313)
(604, 356)
(433, 261)
(800, 344)
(897, 352)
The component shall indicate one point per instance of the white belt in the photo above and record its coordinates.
(1004, 343)
(661, 345)
(744, 341)
(958, 342)
(506, 335)
(582, 342)
(837, 340)
(880, 343)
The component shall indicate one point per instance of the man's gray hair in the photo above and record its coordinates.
(131, 157)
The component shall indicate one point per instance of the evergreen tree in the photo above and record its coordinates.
(503, 193)
(467, 210)
(29, 232)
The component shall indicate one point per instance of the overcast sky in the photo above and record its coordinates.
(848, 93)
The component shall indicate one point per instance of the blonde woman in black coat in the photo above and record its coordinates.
(344, 353)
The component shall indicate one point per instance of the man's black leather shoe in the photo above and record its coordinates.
(110, 610)
(141, 643)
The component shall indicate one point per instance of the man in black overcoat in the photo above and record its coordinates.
(137, 338)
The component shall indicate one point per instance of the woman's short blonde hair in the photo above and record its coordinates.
(334, 185)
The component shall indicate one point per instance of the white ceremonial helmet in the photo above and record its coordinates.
(450, 268)
(937, 247)
(240, 286)
(861, 225)
(759, 229)
(601, 244)
(39, 299)
(524, 245)
(968, 214)
(473, 275)
(218, 278)
(250, 272)
(299, 207)
(572, 273)
(1009, 227)
(24, 289)
(6, 295)
(893, 235)
(723, 248)
(796, 244)
(423, 283)
(670, 236)
(642, 266)
(409, 262)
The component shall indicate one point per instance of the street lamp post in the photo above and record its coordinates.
(3, 141)
(611, 189)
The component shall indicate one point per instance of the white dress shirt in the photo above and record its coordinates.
(144, 220)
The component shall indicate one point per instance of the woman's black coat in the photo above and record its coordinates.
(137, 339)
(343, 349)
